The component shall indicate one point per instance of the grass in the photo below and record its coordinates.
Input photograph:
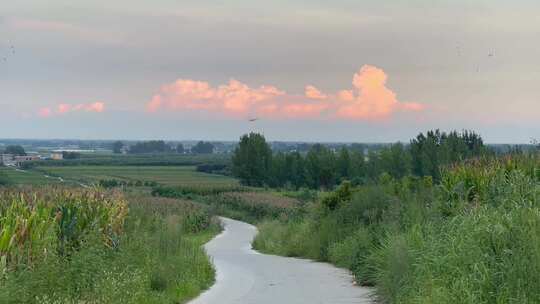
(67, 245)
(237, 202)
(159, 159)
(164, 175)
(473, 238)
(13, 176)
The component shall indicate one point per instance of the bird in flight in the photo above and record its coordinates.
(253, 119)
(11, 50)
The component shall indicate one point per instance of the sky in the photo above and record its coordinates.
(307, 70)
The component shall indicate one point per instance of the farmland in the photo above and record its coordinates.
(24, 177)
(164, 175)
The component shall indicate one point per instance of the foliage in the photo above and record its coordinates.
(322, 168)
(117, 147)
(70, 155)
(239, 202)
(180, 148)
(33, 224)
(203, 148)
(435, 148)
(252, 159)
(252, 206)
(189, 191)
(222, 169)
(154, 256)
(472, 238)
(15, 150)
(113, 183)
(339, 197)
(153, 146)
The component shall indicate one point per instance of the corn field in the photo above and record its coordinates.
(36, 223)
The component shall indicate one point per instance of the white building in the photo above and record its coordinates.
(57, 155)
(7, 159)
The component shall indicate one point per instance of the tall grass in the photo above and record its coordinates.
(237, 202)
(83, 246)
(473, 238)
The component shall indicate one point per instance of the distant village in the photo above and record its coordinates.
(12, 160)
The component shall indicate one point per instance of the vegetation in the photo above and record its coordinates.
(153, 146)
(203, 148)
(180, 148)
(162, 159)
(60, 245)
(472, 238)
(117, 147)
(252, 160)
(70, 155)
(15, 150)
(113, 183)
(255, 164)
(163, 175)
(439, 220)
(238, 202)
(3, 178)
(253, 206)
(23, 177)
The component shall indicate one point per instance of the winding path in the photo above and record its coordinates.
(246, 277)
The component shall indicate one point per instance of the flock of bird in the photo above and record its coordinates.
(11, 52)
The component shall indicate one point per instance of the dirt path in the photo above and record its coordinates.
(245, 276)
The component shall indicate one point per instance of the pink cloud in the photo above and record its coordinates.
(313, 93)
(64, 108)
(369, 99)
(45, 112)
(232, 98)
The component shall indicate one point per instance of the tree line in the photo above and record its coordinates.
(160, 146)
(255, 164)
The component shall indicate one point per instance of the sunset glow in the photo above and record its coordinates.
(308, 70)
(369, 99)
(64, 108)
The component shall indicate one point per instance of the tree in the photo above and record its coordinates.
(15, 150)
(278, 170)
(430, 151)
(321, 167)
(396, 161)
(180, 148)
(344, 164)
(117, 147)
(153, 146)
(203, 148)
(70, 155)
(252, 160)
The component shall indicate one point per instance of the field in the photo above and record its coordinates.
(73, 245)
(161, 159)
(164, 175)
(26, 177)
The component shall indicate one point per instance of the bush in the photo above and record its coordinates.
(473, 238)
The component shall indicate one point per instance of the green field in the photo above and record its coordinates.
(14, 176)
(165, 175)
